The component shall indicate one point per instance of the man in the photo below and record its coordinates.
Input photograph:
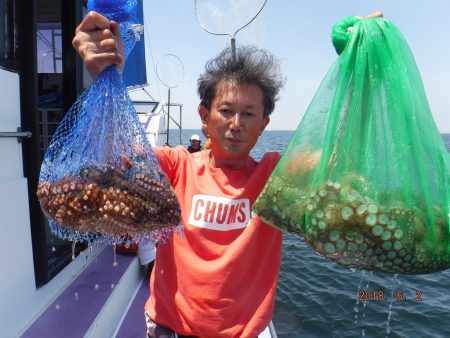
(219, 279)
(195, 144)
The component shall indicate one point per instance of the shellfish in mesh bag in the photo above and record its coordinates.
(365, 178)
(100, 178)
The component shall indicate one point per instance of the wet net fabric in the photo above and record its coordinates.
(100, 180)
(365, 178)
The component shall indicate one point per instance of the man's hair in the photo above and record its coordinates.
(251, 66)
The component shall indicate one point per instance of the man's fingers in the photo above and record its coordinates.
(376, 15)
(107, 46)
(95, 63)
(372, 15)
(114, 27)
(106, 59)
(96, 35)
(95, 42)
(93, 21)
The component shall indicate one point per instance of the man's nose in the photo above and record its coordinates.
(236, 122)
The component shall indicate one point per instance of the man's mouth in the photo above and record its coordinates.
(233, 140)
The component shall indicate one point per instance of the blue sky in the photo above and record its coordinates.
(298, 33)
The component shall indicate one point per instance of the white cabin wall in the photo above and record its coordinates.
(17, 284)
(152, 122)
(20, 301)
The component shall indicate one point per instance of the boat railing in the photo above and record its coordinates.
(19, 134)
(166, 109)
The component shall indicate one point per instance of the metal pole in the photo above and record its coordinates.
(233, 49)
(181, 128)
(168, 118)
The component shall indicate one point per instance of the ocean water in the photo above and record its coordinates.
(319, 298)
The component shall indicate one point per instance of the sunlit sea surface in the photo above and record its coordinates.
(319, 298)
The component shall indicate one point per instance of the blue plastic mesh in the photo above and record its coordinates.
(100, 180)
(117, 10)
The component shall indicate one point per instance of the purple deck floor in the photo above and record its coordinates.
(133, 325)
(73, 312)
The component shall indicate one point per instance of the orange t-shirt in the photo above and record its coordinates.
(219, 279)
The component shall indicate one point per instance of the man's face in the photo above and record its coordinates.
(195, 144)
(235, 120)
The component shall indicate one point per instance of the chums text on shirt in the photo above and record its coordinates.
(219, 213)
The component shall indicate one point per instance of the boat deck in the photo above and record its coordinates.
(133, 324)
(104, 300)
(75, 311)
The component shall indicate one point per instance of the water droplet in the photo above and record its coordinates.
(113, 286)
(115, 263)
(73, 250)
(53, 249)
(96, 287)
(76, 295)
(57, 307)
(162, 272)
(388, 327)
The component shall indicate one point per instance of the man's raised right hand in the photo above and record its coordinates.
(99, 44)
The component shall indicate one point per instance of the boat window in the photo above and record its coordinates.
(7, 42)
(55, 25)
(49, 47)
(145, 107)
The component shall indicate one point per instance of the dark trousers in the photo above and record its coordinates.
(154, 330)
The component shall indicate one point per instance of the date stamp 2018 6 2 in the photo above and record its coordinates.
(380, 296)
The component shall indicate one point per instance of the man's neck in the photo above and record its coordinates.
(225, 163)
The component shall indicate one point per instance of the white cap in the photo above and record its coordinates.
(195, 137)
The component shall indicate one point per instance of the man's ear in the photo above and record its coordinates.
(265, 122)
(203, 112)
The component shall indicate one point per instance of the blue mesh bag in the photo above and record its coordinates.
(100, 179)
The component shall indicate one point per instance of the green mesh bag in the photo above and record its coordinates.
(365, 178)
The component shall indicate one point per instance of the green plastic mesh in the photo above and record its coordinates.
(365, 178)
